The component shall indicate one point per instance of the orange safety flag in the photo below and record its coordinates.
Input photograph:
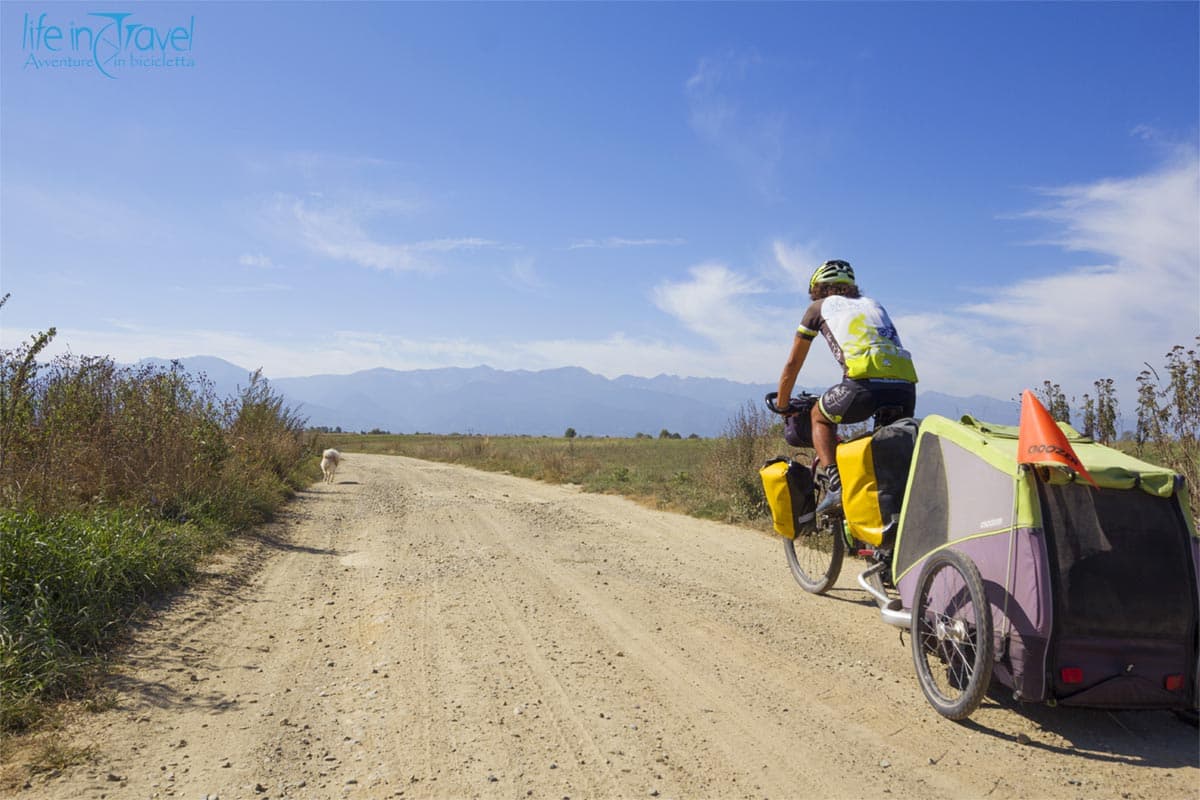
(1041, 441)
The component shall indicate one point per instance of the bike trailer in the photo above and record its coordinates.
(1092, 591)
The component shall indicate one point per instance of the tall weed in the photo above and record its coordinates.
(1168, 417)
(114, 481)
(751, 436)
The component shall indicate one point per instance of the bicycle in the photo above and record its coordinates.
(1008, 568)
(816, 554)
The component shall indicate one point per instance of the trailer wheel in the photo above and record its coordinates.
(952, 634)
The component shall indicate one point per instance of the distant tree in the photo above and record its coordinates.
(1056, 402)
(570, 434)
(1089, 416)
(1183, 392)
(664, 434)
(693, 436)
(1106, 410)
(1149, 415)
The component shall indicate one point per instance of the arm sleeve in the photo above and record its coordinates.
(810, 323)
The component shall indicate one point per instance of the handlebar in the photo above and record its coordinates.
(796, 405)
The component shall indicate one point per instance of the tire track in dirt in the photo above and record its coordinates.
(498, 620)
(655, 664)
(694, 681)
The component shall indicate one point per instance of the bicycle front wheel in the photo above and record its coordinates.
(815, 555)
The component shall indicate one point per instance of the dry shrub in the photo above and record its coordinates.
(113, 483)
(1168, 417)
(751, 436)
(82, 432)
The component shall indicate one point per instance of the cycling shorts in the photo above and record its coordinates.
(857, 400)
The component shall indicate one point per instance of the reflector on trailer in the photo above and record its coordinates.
(1072, 675)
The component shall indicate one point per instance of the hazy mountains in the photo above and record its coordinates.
(486, 400)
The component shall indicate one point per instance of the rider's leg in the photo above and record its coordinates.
(824, 434)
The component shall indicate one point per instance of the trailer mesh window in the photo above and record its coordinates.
(927, 522)
(1120, 563)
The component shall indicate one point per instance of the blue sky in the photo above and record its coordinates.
(631, 188)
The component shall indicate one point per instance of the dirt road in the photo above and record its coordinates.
(420, 630)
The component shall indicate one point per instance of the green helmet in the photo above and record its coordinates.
(835, 271)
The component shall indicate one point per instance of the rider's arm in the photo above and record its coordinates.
(791, 369)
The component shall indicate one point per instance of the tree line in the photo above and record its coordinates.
(1166, 420)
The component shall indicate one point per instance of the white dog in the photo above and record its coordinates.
(329, 463)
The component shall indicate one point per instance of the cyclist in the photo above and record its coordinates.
(876, 369)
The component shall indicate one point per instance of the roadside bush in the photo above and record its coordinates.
(751, 436)
(1168, 417)
(114, 482)
(69, 584)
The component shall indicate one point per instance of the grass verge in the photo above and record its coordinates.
(114, 484)
(708, 478)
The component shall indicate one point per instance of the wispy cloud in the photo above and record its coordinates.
(742, 331)
(318, 166)
(721, 115)
(1135, 294)
(81, 214)
(712, 302)
(257, 260)
(1138, 295)
(524, 275)
(265, 288)
(340, 231)
(450, 245)
(615, 242)
(797, 261)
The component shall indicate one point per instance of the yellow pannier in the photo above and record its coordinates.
(874, 471)
(860, 492)
(789, 490)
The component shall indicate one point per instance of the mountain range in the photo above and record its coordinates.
(542, 403)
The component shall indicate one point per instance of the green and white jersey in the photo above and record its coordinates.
(861, 336)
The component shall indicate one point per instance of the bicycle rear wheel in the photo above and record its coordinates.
(815, 555)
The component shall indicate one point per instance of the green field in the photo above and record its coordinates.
(709, 478)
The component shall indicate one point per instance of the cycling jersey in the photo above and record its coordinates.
(861, 336)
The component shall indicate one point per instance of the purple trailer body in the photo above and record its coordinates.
(1093, 594)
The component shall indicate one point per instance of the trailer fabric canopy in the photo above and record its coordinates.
(1111, 468)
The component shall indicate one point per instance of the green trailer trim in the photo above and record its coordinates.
(998, 532)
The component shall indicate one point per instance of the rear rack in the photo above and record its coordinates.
(891, 609)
